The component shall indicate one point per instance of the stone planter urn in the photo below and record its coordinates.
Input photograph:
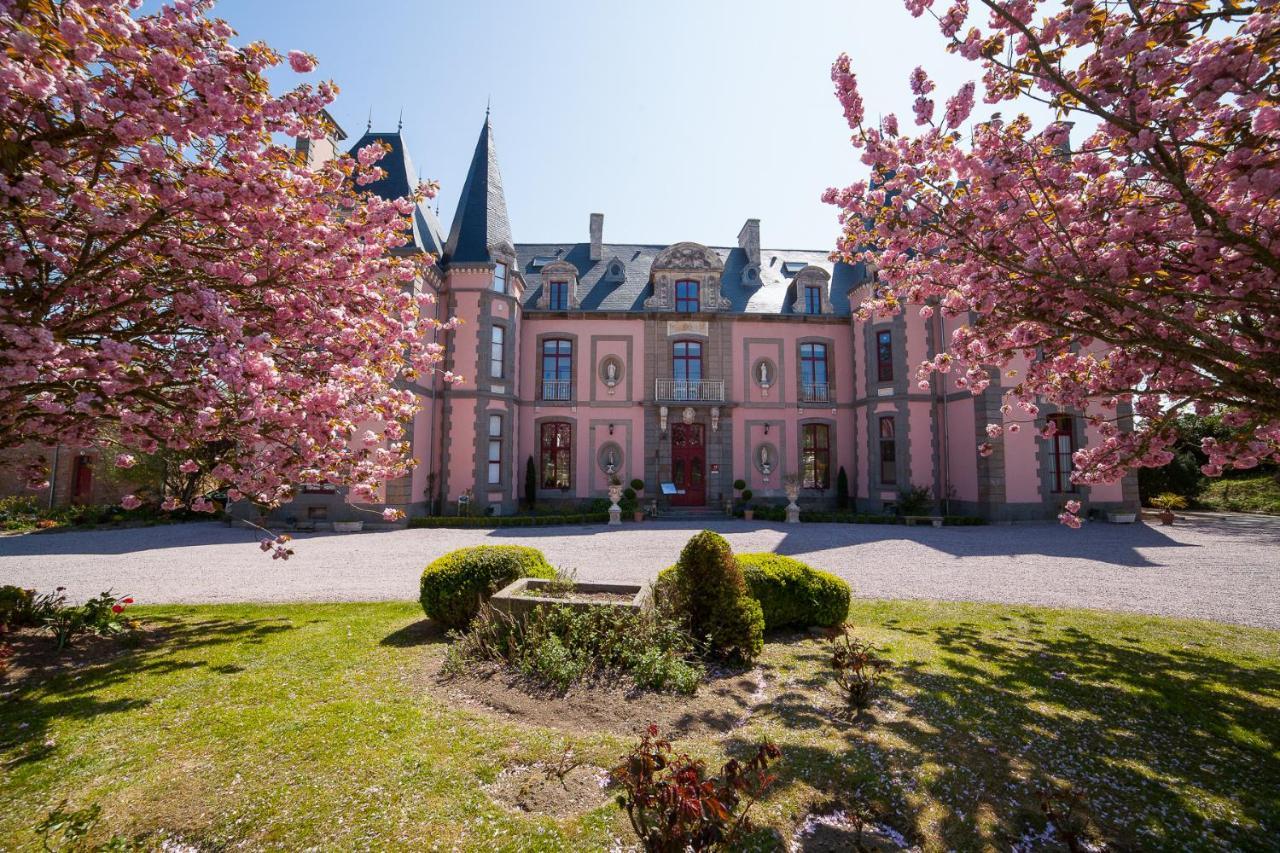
(791, 487)
(615, 495)
(748, 514)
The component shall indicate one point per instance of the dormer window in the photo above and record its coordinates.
(499, 277)
(813, 299)
(558, 298)
(688, 300)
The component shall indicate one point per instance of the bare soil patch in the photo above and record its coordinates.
(722, 703)
(532, 789)
(36, 656)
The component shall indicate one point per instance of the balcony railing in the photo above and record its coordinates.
(815, 392)
(688, 390)
(554, 390)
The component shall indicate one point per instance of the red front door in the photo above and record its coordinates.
(688, 465)
(82, 481)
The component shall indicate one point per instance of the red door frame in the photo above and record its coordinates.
(689, 465)
(82, 481)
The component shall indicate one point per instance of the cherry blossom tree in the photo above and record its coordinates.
(1137, 270)
(174, 278)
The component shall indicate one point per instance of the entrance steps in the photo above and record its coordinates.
(692, 513)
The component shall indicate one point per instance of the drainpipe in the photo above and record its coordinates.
(940, 416)
(53, 475)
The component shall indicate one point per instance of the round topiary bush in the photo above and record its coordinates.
(792, 593)
(455, 585)
(705, 590)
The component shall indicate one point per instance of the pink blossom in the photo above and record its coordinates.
(392, 515)
(301, 62)
(125, 460)
(189, 466)
(130, 502)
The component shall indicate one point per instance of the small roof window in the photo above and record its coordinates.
(793, 267)
(541, 261)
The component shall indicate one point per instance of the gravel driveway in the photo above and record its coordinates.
(1221, 567)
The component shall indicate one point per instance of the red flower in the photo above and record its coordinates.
(116, 608)
(127, 600)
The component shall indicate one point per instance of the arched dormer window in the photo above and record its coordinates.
(813, 289)
(686, 278)
(559, 286)
(688, 297)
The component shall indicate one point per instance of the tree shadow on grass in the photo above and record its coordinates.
(56, 688)
(1158, 741)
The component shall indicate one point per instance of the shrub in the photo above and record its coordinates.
(102, 615)
(856, 667)
(530, 483)
(747, 495)
(674, 806)
(1169, 500)
(793, 594)
(842, 489)
(455, 585)
(560, 645)
(637, 484)
(17, 607)
(739, 484)
(916, 500)
(706, 591)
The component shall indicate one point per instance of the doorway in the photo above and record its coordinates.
(688, 465)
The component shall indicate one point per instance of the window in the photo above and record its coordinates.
(1062, 445)
(884, 356)
(557, 368)
(498, 352)
(687, 299)
(815, 456)
(500, 278)
(686, 364)
(558, 298)
(812, 299)
(557, 453)
(888, 452)
(495, 449)
(813, 373)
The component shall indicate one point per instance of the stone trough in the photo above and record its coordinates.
(520, 597)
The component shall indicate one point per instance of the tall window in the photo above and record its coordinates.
(557, 368)
(495, 449)
(813, 373)
(884, 356)
(888, 452)
(500, 278)
(557, 454)
(1061, 447)
(687, 298)
(815, 456)
(558, 299)
(498, 352)
(812, 299)
(686, 364)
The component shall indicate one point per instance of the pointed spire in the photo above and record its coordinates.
(400, 121)
(368, 125)
(481, 223)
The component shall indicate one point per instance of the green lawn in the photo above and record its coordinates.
(286, 727)
(1259, 493)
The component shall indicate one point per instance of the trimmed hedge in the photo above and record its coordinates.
(705, 591)
(507, 520)
(794, 594)
(455, 585)
(772, 513)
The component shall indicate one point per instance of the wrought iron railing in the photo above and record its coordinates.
(554, 390)
(688, 390)
(815, 392)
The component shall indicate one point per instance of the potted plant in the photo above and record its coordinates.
(739, 485)
(748, 511)
(637, 486)
(1167, 502)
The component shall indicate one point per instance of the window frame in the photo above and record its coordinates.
(561, 454)
(888, 443)
(499, 277)
(559, 359)
(681, 301)
(554, 289)
(811, 358)
(684, 360)
(814, 453)
(812, 299)
(498, 351)
(884, 355)
(495, 443)
(1060, 462)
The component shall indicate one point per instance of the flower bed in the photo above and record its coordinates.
(772, 513)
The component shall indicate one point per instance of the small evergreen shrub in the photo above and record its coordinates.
(842, 490)
(793, 594)
(706, 591)
(17, 607)
(455, 585)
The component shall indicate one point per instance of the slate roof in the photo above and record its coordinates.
(400, 180)
(481, 220)
(598, 290)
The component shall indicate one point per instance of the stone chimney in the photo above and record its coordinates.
(597, 236)
(314, 153)
(749, 241)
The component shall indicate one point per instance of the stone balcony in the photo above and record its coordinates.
(688, 390)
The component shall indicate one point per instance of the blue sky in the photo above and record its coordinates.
(677, 120)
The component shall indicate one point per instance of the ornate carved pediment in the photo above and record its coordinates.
(688, 256)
